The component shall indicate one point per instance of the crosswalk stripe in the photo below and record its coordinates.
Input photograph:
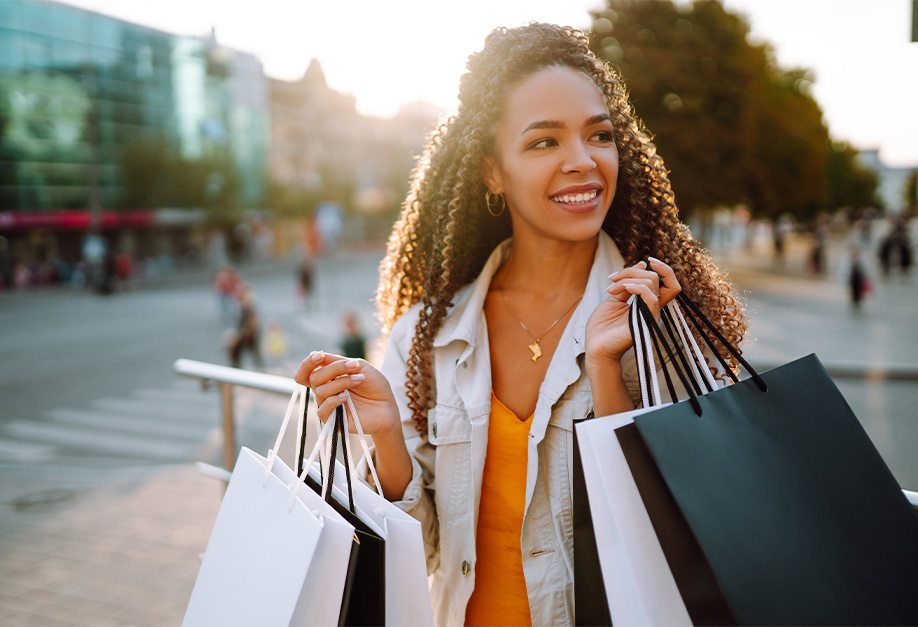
(173, 412)
(24, 451)
(70, 436)
(192, 396)
(129, 423)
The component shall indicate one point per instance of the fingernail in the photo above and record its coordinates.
(343, 396)
(654, 260)
(352, 364)
(358, 377)
(316, 355)
(614, 274)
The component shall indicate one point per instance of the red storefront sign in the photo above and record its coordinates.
(73, 219)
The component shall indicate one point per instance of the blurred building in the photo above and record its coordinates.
(322, 146)
(79, 91)
(891, 181)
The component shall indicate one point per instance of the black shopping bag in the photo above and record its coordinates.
(364, 597)
(794, 509)
(791, 505)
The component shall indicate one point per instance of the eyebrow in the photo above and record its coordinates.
(556, 124)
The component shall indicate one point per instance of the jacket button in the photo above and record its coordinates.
(435, 429)
(466, 568)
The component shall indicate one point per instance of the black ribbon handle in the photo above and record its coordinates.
(339, 426)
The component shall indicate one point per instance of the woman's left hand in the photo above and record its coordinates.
(608, 336)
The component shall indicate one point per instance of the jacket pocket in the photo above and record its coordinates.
(448, 425)
(450, 431)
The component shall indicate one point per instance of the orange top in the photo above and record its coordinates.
(500, 596)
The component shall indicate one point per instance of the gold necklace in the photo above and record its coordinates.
(535, 347)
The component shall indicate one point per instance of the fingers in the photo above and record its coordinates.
(329, 365)
(646, 294)
(671, 286)
(330, 377)
(660, 279)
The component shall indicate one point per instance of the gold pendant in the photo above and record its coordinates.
(536, 350)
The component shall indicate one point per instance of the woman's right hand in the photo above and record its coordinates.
(332, 377)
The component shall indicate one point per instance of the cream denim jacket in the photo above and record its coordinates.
(448, 459)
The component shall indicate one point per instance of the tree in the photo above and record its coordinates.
(851, 185)
(911, 192)
(731, 126)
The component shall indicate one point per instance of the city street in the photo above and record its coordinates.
(98, 495)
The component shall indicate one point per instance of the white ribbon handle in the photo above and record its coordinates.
(363, 443)
(643, 350)
(298, 390)
(323, 435)
(688, 340)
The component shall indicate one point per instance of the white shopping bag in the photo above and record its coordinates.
(640, 587)
(277, 555)
(407, 592)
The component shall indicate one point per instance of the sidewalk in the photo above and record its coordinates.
(82, 549)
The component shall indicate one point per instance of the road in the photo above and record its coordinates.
(87, 380)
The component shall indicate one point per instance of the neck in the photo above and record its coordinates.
(547, 269)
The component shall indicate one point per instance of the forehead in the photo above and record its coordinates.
(560, 94)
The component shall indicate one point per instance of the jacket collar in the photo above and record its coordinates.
(466, 321)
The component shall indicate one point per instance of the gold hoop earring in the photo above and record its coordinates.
(491, 200)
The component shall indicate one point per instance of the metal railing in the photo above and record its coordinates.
(228, 378)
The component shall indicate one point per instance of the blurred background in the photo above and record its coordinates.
(216, 181)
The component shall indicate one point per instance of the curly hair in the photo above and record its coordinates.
(445, 234)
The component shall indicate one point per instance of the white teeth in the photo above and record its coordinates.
(577, 198)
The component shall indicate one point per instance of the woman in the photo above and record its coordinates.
(496, 345)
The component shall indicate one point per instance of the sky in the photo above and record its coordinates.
(393, 51)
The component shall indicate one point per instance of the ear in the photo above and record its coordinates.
(492, 176)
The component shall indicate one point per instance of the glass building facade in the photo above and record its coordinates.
(78, 89)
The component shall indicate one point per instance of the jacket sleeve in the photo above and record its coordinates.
(418, 500)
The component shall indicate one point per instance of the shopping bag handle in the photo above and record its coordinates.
(361, 437)
(694, 314)
(341, 428)
(647, 325)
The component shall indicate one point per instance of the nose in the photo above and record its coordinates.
(577, 158)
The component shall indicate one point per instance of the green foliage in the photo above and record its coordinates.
(731, 126)
(851, 185)
(911, 191)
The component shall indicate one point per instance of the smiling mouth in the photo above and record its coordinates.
(576, 199)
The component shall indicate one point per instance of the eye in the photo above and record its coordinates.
(546, 142)
(605, 137)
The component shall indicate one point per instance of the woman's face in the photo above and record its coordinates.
(555, 160)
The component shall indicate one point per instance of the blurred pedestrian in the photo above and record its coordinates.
(248, 329)
(859, 285)
(108, 275)
(304, 274)
(124, 270)
(353, 344)
(896, 249)
(818, 251)
(22, 276)
(224, 285)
